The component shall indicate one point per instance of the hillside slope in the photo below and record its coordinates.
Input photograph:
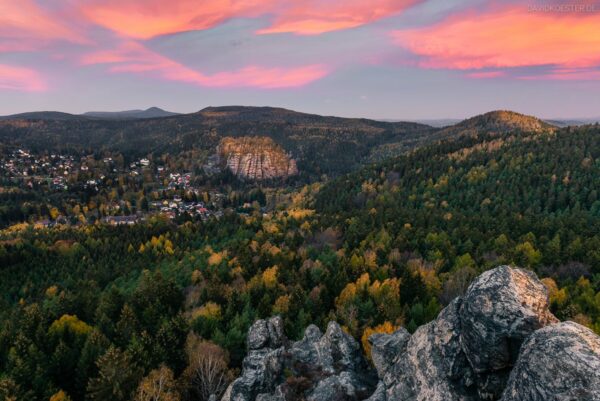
(497, 122)
(322, 145)
(494, 123)
(382, 250)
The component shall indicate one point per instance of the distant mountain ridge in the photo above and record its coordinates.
(152, 112)
(42, 115)
(321, 145)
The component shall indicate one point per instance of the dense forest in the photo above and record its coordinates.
(96, 312)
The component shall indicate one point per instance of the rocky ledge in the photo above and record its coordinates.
(255, 158)
(497, 342)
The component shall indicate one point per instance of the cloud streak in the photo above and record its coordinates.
(145, 19)
(21, 79)
(24, 26)
(510, 37)
(132, 57)
(316, 17)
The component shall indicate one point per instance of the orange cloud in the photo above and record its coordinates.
(23, 25)
(144, 19)
(315, 17)
(505, 38)
(486, 74)
(20, 79)
(135, 58)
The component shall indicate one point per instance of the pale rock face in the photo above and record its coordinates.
(430, 366)
(467, 352)
(256, 158)
(557, 363)
(332, 361)
(497, 343)
(501, 308)
(263, 366)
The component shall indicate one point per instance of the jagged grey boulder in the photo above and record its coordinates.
(263, 367)
(385, 348)
(334, 361)
(501, 327)
(467, 352)
(326, 366)
(557, 363)
(430, 366)
(500, 309)
(266, 333)
(334, 351)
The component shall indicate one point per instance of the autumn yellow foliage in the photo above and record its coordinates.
(216, 258)
(71, 324)
(385, 328)
(269, 277)
(282, 304)
(209, 310)
(557, 296)
(60, 396)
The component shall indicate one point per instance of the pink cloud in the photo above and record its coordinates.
(566, 74)
(20, 79)
(24, 26)
(132, 57)
(315, 17)
(486, 74)
(144, 19)
(506, 38)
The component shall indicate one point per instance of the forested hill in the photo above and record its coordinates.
(384, 247)
(462, 195)
(496, 122)
(458, 206)
(322, 145)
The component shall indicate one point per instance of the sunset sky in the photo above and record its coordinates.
(396, 59)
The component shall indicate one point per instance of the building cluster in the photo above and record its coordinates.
(69, 174)
(176, 207)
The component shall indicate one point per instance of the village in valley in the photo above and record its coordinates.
(68, 189)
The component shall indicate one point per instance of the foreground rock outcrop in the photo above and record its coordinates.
(558, 362)
(321, 366)
(255, 158)
(497, 342)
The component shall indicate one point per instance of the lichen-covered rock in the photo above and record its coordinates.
(266, 333)
(334, 361)
(328, 366)
(431, 366)
(500, 309)
(557, 363)
(263, 367)
(385, 348)
(465, 354)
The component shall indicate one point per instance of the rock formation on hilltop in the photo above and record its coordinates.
(497, 342)
(255, 158)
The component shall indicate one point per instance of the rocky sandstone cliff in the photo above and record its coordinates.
(255, 158)
(497, 342)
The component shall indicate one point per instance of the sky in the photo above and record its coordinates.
(382, 59)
